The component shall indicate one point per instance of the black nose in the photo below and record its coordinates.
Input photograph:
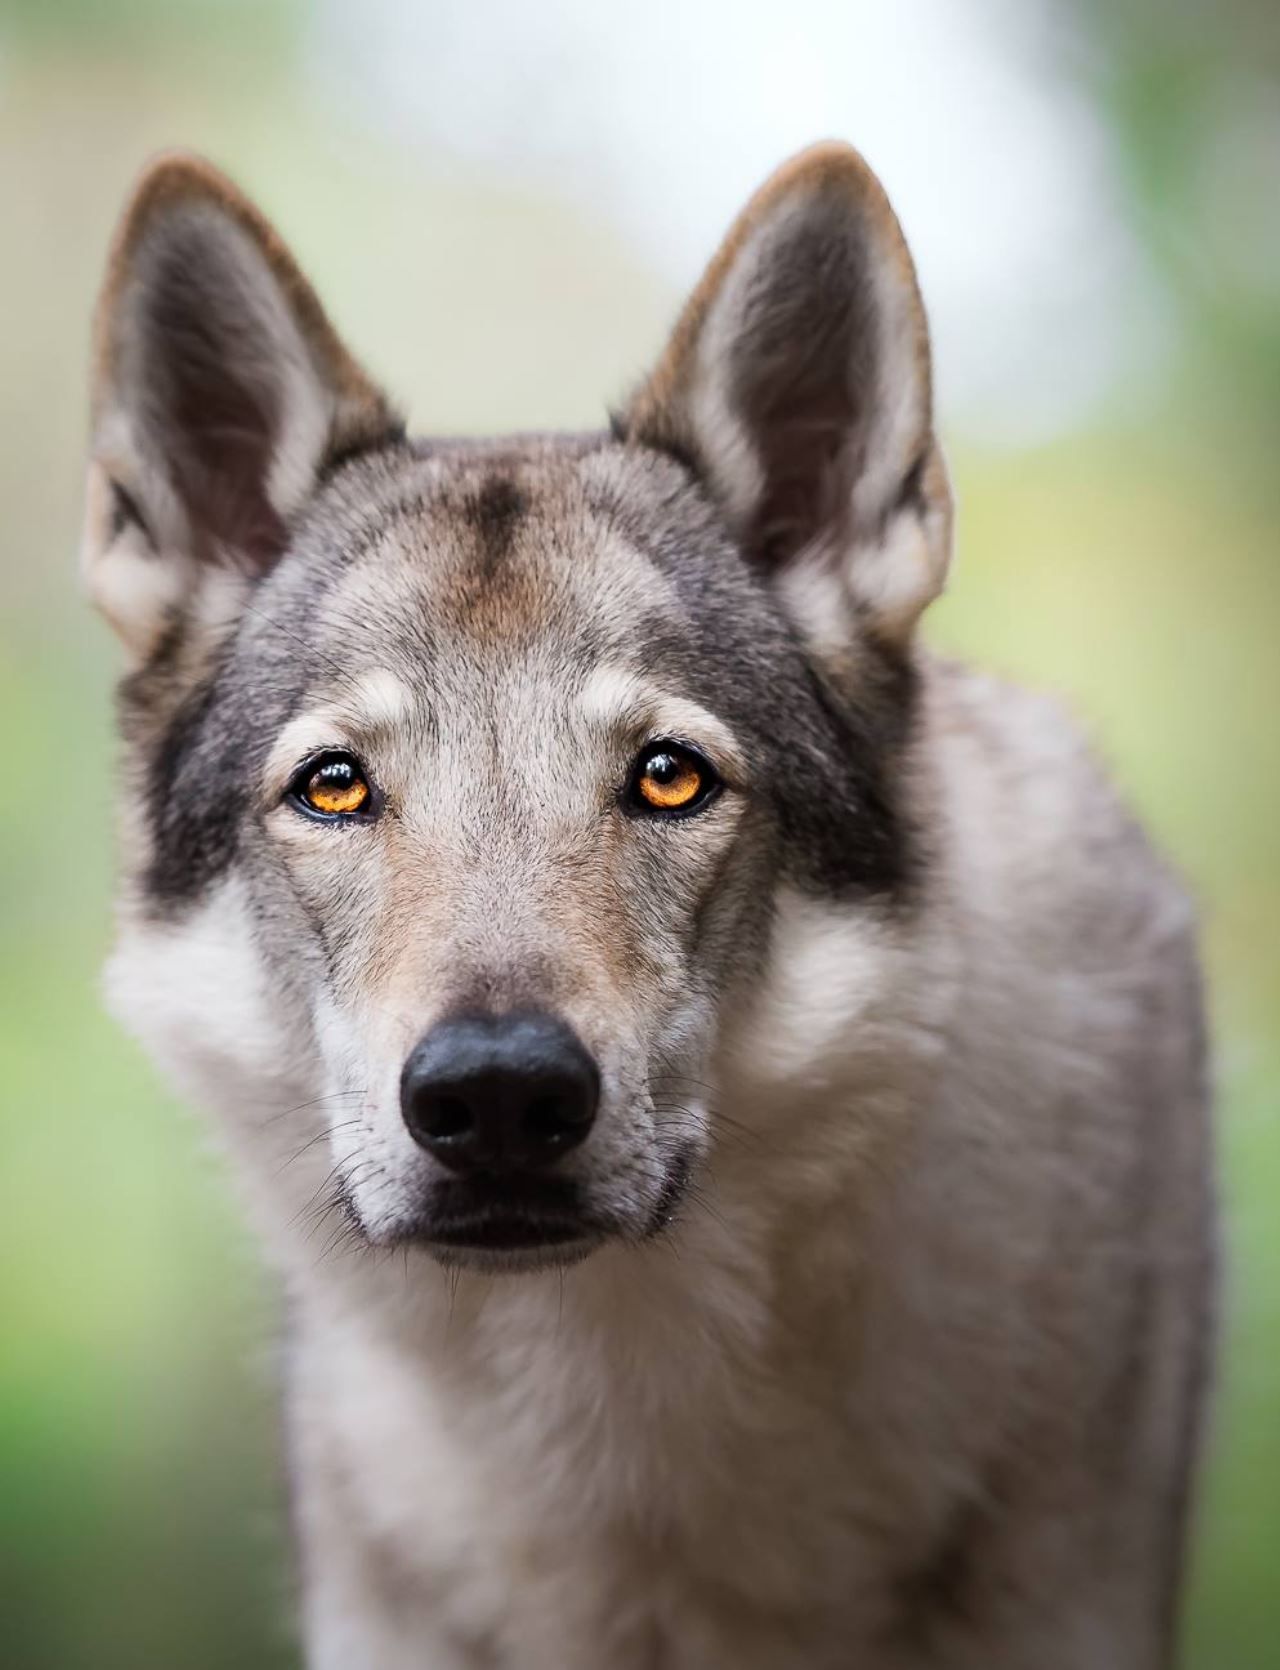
(499, 1093)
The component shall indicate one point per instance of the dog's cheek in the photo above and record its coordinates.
(195, 991)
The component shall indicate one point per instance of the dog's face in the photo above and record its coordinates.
(461, 780)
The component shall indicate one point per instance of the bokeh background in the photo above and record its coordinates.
(502, 204)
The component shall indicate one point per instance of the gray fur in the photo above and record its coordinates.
(883, 1336)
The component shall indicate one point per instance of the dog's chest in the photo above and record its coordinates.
(586, 1513)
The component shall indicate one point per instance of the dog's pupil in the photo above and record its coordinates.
(664, 768)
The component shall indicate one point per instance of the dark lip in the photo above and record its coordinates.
(503, 1232)
(504, 1223)
(487, 1213)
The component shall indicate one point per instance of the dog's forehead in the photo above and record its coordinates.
(498, 558)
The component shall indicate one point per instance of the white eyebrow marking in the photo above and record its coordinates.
(381, 698)
(376, 701)
(609, 692)
(615, 697)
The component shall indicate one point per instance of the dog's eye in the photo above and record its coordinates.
(671, 779)
(333, 786)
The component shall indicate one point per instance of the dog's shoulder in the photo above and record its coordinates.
(1030, 810)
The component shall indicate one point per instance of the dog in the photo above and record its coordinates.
(723, 1088)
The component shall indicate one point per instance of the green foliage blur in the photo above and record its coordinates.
(1133, 566)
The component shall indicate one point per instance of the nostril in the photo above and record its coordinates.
(445, 1117)
(552, 1119)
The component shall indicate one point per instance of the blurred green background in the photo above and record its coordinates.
(476, 198)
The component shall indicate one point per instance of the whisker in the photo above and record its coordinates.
(339, 1199)
(345, 1235)
(333, 1096)
(693, 1193)
(329, 1130)
(344, 673)
(334, 1187)
(727, 1130)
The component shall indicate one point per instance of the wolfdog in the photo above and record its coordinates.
(724, 1089)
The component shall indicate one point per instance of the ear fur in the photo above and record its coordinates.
(220, 393)
(797, 385)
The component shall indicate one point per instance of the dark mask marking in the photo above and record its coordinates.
(494, 512)
(827, 764)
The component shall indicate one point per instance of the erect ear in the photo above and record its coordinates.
(797, 385)
(221, 392)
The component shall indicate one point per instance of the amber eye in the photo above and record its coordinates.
(672, 779)
(334, 786)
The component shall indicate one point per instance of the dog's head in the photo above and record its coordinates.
(462, 780)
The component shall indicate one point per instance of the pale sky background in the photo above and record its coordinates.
(660, 119)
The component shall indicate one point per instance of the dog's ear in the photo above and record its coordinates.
(221, 392)
(797, 386)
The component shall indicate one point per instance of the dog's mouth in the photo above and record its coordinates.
(502, 1222)
(505, 1221)
(501, 1233)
